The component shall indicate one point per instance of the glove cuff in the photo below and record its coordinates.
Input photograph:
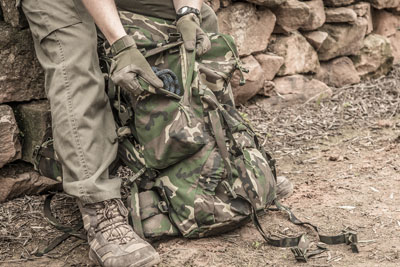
(122, 44)
(190, 16)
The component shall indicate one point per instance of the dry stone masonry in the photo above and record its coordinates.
(336, 42)
(294, 50)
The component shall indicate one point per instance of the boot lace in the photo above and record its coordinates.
(112, 221)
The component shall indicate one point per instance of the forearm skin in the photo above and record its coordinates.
(105, 15)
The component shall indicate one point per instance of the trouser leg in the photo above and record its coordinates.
(83, 126)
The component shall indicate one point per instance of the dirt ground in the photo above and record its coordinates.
(343, 156)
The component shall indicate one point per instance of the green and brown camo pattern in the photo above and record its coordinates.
(155, 222)
(176, 141)
(46, 161)
(203, 198)
(168, 129)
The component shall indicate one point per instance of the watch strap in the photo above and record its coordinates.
(187, 10)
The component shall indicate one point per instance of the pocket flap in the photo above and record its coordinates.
(47, 16)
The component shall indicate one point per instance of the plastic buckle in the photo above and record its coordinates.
(351, 239)
(35, 151)
(124, 114)
(173, 37)
(163, 207)
(299, 254)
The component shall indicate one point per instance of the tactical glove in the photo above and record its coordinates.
(128, 64)
(193, 36)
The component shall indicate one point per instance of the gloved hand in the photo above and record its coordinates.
(193, 36)
(128, 64)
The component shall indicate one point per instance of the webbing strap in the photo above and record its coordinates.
(188, 64)
(134, 208)
(346, 237)
(53, 244)
(220, 139)
(68, 231)
(161, 49)
(299, 245)
(73, 231)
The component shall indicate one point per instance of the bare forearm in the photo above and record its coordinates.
(192, 3)
(105, 15)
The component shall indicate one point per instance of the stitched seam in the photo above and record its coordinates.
(71, 117)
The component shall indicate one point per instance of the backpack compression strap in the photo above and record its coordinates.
(347, 237)
(300, 244)
(68, 231)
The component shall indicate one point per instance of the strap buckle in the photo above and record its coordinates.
(35, 153)
(299, 254)
(163, 207)
(350, 237)
(174, 36)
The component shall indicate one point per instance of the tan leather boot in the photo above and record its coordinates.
(112, 241)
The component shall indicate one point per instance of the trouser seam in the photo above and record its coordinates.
(71, 116)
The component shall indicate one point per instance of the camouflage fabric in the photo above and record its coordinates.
(198, 167)
(211, 170)
(154, 216)
(172, 128)
(45, 158)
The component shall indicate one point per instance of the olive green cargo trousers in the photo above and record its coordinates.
(84, 131)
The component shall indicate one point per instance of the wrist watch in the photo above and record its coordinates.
(187, 10)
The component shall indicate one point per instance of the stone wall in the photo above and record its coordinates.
(294, 50)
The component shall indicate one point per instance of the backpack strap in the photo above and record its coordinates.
(299, 244)
(134, 208)
(217, 129)
(67, 230)
(347, 237)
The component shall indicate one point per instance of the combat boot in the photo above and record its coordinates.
(112, 241)
(284, 187)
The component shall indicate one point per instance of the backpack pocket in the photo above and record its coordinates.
(167, 130)
(155, 221)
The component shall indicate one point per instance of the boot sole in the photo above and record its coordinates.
(143, 263)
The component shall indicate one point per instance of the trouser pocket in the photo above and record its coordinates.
(46, 16)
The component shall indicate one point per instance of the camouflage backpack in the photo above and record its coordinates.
(199, 168)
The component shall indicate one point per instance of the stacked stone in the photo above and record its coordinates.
(300, 49)
(24, 111)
